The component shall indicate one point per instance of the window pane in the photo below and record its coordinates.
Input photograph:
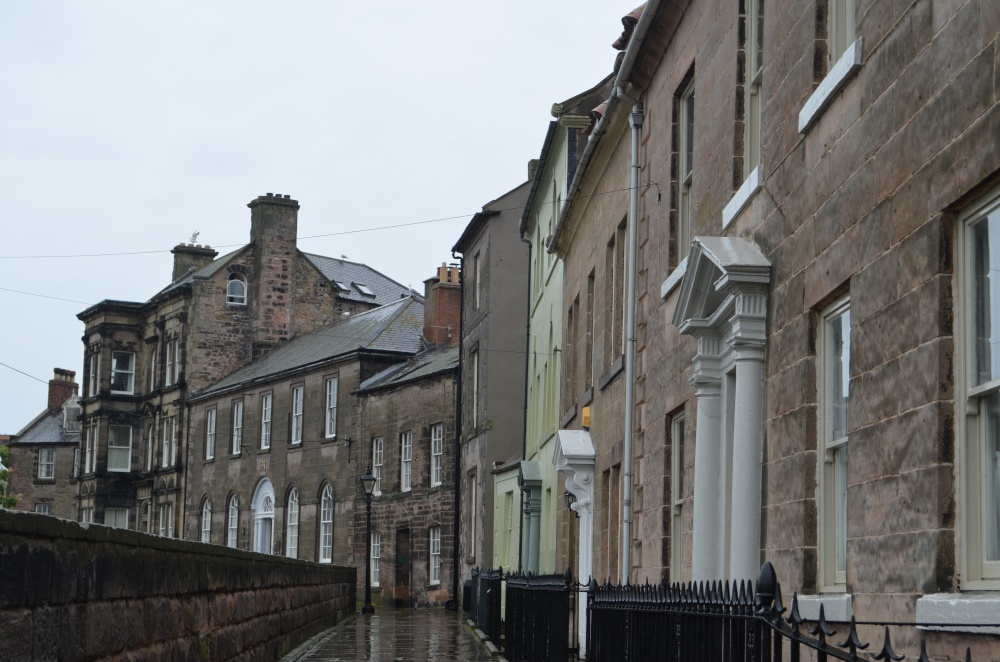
(985, 237)
(991, 478)
(838, 334)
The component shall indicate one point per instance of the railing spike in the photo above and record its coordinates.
(853, 643)
(822, 629)
(968, 654)
(795, 618)
(888, 654)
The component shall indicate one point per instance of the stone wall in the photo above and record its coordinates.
(68, 592)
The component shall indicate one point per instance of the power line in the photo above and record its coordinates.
(45, 296)
(315, 236)
(24, 373)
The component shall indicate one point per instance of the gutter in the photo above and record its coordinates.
(527, 362)
(621, 84)
(453, 603)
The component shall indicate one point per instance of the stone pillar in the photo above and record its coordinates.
(709, 516)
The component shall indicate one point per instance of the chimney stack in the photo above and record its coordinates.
(62, 387)
(442, 306)
(274, 222)
(190, 255)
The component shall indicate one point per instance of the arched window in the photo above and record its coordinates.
(326, 526)
(263, 517)
(292, 525)
(234, 521)
(206, 521)
(236, 290)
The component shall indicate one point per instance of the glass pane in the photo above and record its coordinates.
(991, 477)
(689, 131)
(759, 34)
(841, 505)
(838, 362)
(985, 298)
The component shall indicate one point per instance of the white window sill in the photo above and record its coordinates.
(742, 198)
(837, 607)
(841, 72)
(960, 608)
(674, 279)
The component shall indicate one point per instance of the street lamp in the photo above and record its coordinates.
(570, 500)
(368, 484)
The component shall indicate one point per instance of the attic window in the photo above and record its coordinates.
(236, 290)
(341, 286)
(364, 289)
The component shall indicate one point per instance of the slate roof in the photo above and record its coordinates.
(205, 272)
(397, 327)
(432, 362)
(47, 428)
(351, 275)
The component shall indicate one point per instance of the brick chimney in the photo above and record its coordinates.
(442, 306)
(274, 220)
(190, 255)
(62, 387)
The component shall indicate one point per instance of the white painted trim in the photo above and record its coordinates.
(837, 607)
(835, 79)
(946, 608)
(674, 279)
(741, 198)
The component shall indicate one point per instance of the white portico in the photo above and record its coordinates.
(723, 304)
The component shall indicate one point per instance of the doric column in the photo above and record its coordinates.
(748, 348)
(707, 558)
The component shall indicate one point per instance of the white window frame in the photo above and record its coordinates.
(435, 555)
(754, 59)
(152, 368)
(841, 31)
(116, 518)
(478, 272)
(685, 158)
(833, 452)
(237, 436)
(206, 521)
(43, 508)
(378, 454)
(211, 416)
(88, 455)
(292, 525)
(972, 394)
(234, 297)
(266, 402)
(119, 454)
(168, 376)
(326, 526)
(95, 373)
(474, 370)
(76, 463)
(405, 461)
(127, 371)
(376, 556)
(437, 453)
(166, 520)
(177, 361)
(150, 446)
(233, 522)
(298, 395)
(331, 408)
(678, 431)
(169, 450)
(46, 463)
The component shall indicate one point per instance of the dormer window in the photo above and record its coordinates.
(236, 290)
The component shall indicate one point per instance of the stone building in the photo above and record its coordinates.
(43, 455)
(274, 456)
(814, 384)
(142, 360)
(407, 419)
(493, 336)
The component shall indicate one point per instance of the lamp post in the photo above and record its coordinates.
(368, 484)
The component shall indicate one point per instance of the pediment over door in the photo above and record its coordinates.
(717, 268)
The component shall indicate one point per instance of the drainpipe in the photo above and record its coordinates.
(453, 603)
(635, 121)
(524, 432)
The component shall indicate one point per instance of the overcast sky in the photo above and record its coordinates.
(126, 126)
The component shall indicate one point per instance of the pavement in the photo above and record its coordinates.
(425, 635)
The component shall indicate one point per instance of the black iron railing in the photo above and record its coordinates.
(537, 617)
(716, 621)
(487, 585)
